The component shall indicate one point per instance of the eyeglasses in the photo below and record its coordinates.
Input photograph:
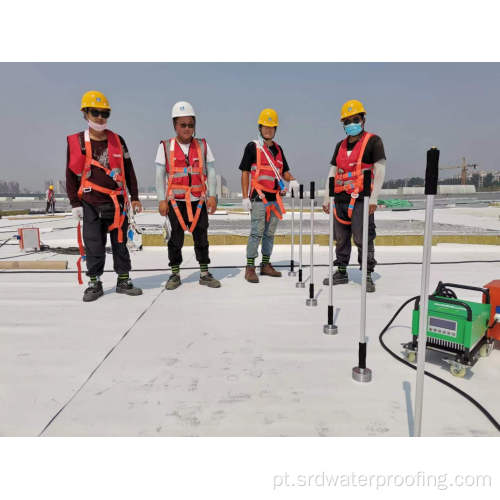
(105, 113)
(356, 119)
(186, 125)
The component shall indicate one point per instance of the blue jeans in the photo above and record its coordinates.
(261, 230)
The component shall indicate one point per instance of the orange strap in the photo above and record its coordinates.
(82, 252)
(193, 219)
(119, 216)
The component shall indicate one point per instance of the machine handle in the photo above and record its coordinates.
(292, 193)
(432, 171)
(484, 291)
(311, 196)
(367, 183)
(331, 187)
(447, 301)
(301, 191)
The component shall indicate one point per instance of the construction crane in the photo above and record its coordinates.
(464, 166)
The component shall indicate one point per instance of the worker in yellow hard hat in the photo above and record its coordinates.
(263, 171)
(50, 198)
(359, 151)
(100, 178)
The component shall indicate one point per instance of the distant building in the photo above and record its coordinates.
(222, 189)
(60, 187)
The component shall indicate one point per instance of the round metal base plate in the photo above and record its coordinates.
(330, 329)
(300, 284)
(361, 374)
(311, 302)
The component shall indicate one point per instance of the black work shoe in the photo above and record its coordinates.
(370, 285)
(338, 278)
(93, 292)
(209, 281)
(127, 287)
(173, 282)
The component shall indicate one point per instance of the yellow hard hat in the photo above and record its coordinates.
(94, 99)
(351, 108)
(268, 117)
(51, 187)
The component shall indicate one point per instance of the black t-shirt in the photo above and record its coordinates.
(250, 157)
(374, 152)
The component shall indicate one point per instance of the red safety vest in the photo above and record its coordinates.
(186, 175)
(264, 177)
(81, 164)
(50, 195)
(349, 173)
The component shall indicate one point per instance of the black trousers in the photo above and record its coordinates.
(51, 205)
(96, 220)
(343, 233)
(200, 234)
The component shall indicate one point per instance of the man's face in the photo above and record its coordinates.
(184, 127)
(268, 132)
(95, 115)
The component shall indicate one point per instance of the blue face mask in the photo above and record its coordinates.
(353, 129)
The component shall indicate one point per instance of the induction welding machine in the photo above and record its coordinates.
(465, 329)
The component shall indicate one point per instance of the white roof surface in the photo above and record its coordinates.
(242, 360)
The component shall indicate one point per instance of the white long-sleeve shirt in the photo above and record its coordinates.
(378, 181)
(161, 178)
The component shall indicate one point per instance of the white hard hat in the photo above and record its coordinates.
(182, 108)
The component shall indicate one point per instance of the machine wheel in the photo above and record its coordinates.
(485, 350)
(411, 356)
(458, 370)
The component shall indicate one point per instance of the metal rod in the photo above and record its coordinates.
(431, 177)
(292, 263)
(361, 373)
(330, 328)
(311, 301)
(300, 283)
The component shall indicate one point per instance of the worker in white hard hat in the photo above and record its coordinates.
(186, 187)
(359, 151)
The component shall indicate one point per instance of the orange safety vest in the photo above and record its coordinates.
(263, 178)
(186, 174)
(81, 164)
(349, 173)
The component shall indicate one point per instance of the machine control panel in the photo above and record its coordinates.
(442, 326)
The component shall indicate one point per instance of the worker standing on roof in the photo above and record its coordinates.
(359, 151)
(50, 198)
(186, 187)
(98, 173)
(263, 170)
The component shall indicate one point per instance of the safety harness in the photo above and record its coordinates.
(264, 174)
(82, 166)
(181, 178)
(349, 174)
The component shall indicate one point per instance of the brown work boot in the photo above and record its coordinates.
(251, 275)
(268, 270)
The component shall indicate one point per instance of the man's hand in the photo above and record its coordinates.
(212, 205)
(137, 207)
(326, 208)
(163, 208)
(246, 204)
(372, 209)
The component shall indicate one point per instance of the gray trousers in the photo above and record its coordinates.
(343, 233)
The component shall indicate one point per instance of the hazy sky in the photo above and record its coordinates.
(412, 106)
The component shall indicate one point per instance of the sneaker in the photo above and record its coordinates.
(338, 278)
(209, 281)
(370, 285)
(268, 270)
(251, 275)
(173, 282)
(93, 292)
(126, 287)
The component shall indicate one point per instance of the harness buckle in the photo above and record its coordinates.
(354, 195)
(87, 189)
